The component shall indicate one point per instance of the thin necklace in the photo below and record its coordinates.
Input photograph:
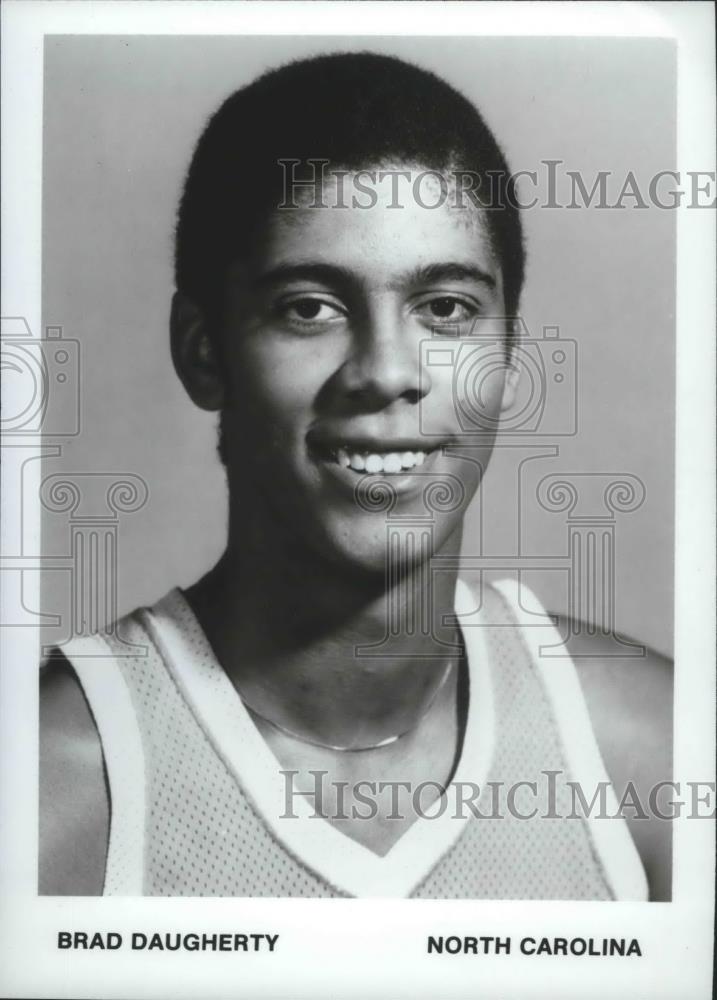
(372, 746)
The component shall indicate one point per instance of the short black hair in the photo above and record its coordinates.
(354, 110)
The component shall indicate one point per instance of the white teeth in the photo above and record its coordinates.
(373, 463)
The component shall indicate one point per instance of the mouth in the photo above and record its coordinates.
(377, 458)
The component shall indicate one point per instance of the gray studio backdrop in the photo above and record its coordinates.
(121, 116)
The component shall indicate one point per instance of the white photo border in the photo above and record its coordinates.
(362, 948)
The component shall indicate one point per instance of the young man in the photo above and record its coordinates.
(300, 714)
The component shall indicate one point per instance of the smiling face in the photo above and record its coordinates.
(334, 345)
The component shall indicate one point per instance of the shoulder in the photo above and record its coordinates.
(74, 802)
(630, 703)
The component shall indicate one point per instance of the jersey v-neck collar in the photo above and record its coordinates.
(314, 842)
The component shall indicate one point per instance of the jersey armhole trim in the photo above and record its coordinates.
(610, 835)
(111, 705)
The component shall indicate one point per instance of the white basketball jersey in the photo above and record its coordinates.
(198, 801)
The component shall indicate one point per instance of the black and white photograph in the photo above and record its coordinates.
(358, 512)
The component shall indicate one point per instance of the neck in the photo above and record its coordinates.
(334, 656)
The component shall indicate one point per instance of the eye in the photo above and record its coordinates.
(309, 309)
(447, 309)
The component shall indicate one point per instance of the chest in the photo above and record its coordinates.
(373, 796)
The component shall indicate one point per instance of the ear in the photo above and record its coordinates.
(510, 385)
(194, 356)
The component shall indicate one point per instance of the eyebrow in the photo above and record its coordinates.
(334, 274)
(450, 272)
(326, 274)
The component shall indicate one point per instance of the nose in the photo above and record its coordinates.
(385, 361)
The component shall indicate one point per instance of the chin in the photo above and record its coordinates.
(373, 546)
